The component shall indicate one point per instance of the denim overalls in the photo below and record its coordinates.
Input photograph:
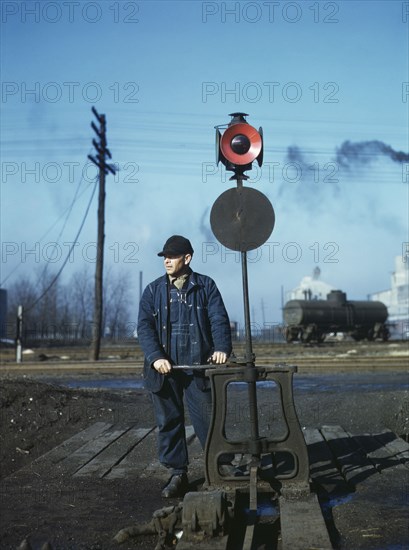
(168, 402)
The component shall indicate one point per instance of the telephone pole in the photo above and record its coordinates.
(104, 168)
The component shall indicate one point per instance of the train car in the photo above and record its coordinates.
(312, 320)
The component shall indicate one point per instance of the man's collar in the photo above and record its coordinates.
(180, 281)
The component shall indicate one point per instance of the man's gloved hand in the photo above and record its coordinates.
(162, 365)
(218, 357)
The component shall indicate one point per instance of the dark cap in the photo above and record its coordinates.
(176, 246)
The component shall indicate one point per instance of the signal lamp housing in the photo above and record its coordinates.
(239, 145)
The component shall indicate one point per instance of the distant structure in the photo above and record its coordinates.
(396, 299)
(310, 288)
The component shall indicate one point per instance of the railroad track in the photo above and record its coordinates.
(305, 365)
(312, 364)
(132, 348)
(337, 357)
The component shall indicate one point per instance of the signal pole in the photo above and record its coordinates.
(19, 336)
(104, 168)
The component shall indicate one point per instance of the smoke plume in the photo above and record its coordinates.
(295, 155)
(205, 226)
(363, 152)
(325, 176)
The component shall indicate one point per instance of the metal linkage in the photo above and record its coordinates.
(292, 441)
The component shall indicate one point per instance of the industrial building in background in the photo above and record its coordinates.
(396, 300)
(310, 288)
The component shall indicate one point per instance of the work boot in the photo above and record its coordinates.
(176, 487)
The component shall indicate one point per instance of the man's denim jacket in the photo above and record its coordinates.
(209, 325)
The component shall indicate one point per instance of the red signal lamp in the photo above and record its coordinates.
(239, 145)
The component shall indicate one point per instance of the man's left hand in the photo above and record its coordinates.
(218, 358)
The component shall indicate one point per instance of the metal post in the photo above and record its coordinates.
(246, 302)
(251, 384)
(140, 285)
(97, 325)
(104, 168)
(19, 335)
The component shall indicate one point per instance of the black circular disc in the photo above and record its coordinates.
(242, 218)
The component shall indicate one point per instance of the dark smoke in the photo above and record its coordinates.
(205, 226)
(295, 155)
(363, 152)
(306, 181)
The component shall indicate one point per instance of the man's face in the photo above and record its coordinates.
(176, 265)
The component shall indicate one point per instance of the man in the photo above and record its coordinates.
(182, 321)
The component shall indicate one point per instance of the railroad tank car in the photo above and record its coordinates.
(312, 320)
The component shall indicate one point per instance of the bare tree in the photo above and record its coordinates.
(116, 300)
(46, 310)
(81, 290)
(63, 312)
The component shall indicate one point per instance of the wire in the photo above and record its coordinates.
(68, 210)
(49, 229)
(69, 252)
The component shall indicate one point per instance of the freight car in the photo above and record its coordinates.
(312, 320)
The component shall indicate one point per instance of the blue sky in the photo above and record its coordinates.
(312, 74)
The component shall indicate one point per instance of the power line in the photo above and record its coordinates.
(69, 209)
(69, 252)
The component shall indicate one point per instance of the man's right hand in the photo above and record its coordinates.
(162, 365)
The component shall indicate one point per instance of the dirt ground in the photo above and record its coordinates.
(36, 416)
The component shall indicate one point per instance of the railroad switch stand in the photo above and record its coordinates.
(242, 219)
(276, 468)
